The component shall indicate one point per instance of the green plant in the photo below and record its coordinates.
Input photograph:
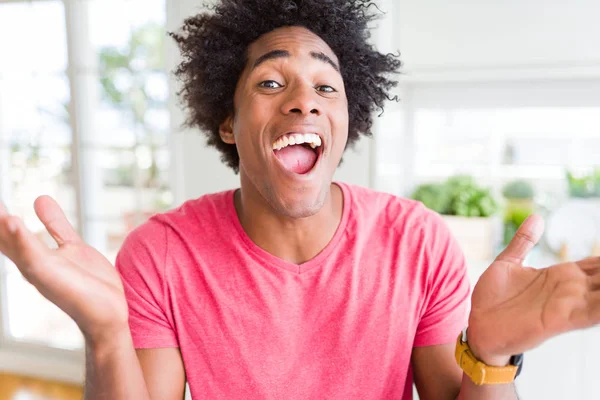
(520, 205)
(513, 219)
(518, 190)
(433, 196)
(459, 195)
(584, 185)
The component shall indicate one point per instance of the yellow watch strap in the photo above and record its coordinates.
(480, 373)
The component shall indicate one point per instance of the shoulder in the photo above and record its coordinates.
(419, 232)
(395, 212)
(193, 218)
(198, 209)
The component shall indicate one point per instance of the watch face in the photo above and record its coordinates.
(517, 361)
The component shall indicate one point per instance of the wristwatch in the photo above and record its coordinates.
(480, 373)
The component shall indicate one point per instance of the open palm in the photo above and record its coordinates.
(75, 276)
(516, 308)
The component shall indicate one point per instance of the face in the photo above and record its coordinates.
(290, 91)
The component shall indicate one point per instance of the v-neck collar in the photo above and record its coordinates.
(278, 262)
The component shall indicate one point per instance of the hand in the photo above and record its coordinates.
(75, 277)
(514, 309)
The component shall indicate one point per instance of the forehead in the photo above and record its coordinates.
(298, 41)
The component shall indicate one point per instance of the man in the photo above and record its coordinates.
(294, 287)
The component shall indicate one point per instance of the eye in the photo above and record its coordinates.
(326, 89)
(270, 85)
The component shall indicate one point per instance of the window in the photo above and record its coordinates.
(83, 118)
(502, 144)
(497, 132)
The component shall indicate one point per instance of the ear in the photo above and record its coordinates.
(226, 130)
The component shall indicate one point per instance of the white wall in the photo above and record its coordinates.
(477, 35)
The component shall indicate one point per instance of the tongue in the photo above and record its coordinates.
(297, 158)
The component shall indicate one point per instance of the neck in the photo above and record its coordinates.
(295, 240)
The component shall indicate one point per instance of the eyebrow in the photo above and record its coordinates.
(274, 54)
(325, 58)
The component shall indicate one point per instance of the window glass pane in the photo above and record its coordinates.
(33, 37)
(114, 128)
(32, 318)
(155, 194)
(133, 185)
(131, 66)
(156, 127)
(111, 190)
(498, 146)
(108, 28)
(450, 141)
(131, 155)
(112, 198)
(36, 171)
(34, 110)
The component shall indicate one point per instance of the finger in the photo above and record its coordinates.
(527, 236)
(594, 282)
(590, 265)
(55, 221)
(593, 307)
(587, 313)
(21, 246)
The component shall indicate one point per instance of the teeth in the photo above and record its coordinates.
(297, 138)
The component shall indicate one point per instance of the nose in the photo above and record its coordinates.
(302, 101)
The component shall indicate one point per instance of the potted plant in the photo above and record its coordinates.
(469, 211)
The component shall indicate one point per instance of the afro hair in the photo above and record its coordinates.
(214, 46)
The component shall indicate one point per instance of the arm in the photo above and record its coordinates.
(117, 371)
(82, 283)
(164, 373)
(142, 262)
(113, 372)
(514, 309)
(437, 377)
(445, 309)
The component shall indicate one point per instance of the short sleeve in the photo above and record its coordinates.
(141, 264)
(447, 291)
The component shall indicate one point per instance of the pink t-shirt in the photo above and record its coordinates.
(252, 326)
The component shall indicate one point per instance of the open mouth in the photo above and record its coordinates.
(298, 152)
